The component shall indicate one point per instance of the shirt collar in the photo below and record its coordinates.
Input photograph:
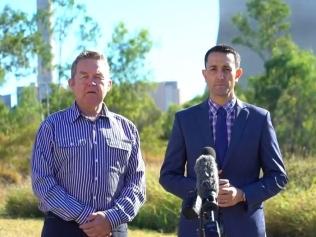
(74, 112)
(229, 106)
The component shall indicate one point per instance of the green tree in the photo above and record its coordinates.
(167, 120)
(28, 110)
(127, 53)
(131, 85)
(16, 145)
(266, 89)
(59, 98)
(262, 25)
(294, 109)
(287, 86)
(20, 41)
(4, 115)
(130, 95)
(70, 18)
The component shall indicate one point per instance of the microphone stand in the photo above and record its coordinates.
(208, 216)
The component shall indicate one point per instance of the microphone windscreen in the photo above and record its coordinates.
(207, 182)
(208, 151)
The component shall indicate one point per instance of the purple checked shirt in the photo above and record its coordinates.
(231, 115)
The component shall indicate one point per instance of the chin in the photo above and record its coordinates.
(222, 93)
(93, 102)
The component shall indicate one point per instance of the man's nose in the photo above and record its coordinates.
(220, 75)
(92, 81)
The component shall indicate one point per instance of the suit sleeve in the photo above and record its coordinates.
(274, 176)
(172, 172)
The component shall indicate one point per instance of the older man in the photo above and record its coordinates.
(87, 168)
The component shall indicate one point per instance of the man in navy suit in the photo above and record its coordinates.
(245, 144)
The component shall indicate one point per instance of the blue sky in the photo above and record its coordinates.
(181, 31)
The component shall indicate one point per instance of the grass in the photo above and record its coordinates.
(32, 227)
(20, 227)
(291, 213)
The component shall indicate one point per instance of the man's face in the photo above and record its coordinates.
(221, 76)
(90, 83)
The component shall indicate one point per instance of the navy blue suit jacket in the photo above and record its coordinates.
(253, 147)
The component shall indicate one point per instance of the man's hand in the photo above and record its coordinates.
(97, 225)
(228, 195)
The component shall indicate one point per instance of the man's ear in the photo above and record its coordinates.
(109, 86)
(204, 73)
(239, 73)
(71, 83)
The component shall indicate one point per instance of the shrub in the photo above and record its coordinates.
(161, 210)
(292, 213)
(21, 202)
(9, 176)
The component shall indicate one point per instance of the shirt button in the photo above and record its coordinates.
(96, 160)
(94, 197)
(96, 178)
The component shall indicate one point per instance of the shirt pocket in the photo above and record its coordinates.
(119, 151)
(68, 152)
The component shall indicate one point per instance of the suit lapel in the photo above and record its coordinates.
(237, 130)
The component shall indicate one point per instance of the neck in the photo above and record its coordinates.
(222, 100)
(91, 111)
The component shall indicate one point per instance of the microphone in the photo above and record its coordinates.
(207, 183)
(206, 186)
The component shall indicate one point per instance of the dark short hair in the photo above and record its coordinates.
(87, 54)
(223, 49)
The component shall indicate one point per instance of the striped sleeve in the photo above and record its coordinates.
(133, 194)
(44, 184)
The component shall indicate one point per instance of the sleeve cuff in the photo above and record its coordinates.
(84, 214)
(113, 217)
(244, 199)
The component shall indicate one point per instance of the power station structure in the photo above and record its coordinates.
(165, 94)
(44, 74)
(302, 22)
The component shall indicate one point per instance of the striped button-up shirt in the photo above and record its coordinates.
(231, 114)
(81, 166)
